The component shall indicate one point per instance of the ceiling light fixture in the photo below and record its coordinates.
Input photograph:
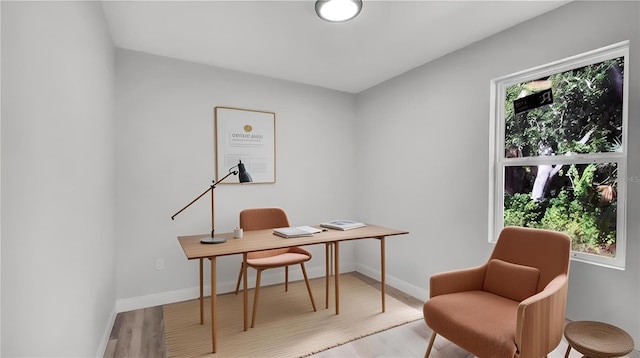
(338, 10)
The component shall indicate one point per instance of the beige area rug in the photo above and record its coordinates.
(286, 325)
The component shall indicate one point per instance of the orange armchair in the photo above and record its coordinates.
(270, 218)
(513, 305)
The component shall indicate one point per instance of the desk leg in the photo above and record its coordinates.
(382, 271)
(213, 304)
(244, 288)
(337, 275)
(326, 275)
(201, 291)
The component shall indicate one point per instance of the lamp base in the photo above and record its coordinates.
(213, 240)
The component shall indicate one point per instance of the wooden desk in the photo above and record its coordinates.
(258, 240)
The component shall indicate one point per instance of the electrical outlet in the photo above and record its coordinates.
(159, 264)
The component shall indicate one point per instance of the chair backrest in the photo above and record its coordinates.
(546, 250)
(263, 218)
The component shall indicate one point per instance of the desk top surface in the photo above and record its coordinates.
(257, 240)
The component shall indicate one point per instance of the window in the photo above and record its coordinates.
(559, 154)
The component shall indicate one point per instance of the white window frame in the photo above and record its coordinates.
(497, 160)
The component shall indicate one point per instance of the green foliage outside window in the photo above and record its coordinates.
(577, 210)
(585, 118)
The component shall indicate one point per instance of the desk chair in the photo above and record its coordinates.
(269, 218)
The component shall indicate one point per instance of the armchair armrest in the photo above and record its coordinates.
(468, 279)
(541, 319)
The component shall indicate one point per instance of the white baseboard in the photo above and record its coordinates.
(268, 278)
(157, 299)
(394, 282)
(102, 347)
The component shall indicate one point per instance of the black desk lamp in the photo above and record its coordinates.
(243, 176)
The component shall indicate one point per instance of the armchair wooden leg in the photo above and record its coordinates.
(239, 278)
(306, 280)
(433, 338)
(255, 299)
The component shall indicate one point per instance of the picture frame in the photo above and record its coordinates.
(247, 135)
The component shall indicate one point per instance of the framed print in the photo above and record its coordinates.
(246, 135)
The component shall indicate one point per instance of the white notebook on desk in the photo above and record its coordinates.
(342, 224)
(296, 231)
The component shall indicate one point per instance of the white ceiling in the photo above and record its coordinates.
(286, 40)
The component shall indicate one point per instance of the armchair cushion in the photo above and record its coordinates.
(478, 321)
(509, 280)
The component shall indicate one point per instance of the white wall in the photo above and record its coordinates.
(434, 122)
(0, 179)
(418, 145)
(58, 182)
(165, 158)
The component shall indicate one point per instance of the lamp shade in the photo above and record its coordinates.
(338, 10)
(243, 174)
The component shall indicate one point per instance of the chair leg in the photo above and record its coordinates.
(286, 279)
(255, 299)
(239, 278)
(433, 338)
(306, 280)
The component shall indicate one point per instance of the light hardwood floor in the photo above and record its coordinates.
(140, 333)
